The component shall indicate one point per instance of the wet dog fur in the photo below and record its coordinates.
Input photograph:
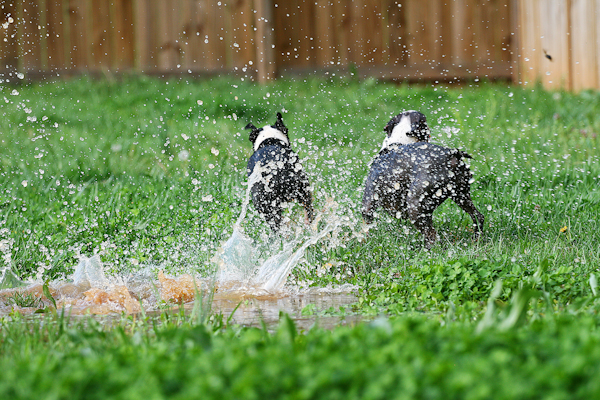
(283, 178)
(410, 177)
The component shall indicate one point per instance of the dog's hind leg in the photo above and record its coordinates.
(464, 201)
(274, 218)
(462, 193)
(309, 213)
(370, 201)
(304, 197)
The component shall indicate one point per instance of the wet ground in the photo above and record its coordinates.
(313, 308)
(251, 288)
(251, 306)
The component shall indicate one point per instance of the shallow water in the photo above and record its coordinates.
(255, 284)
(323, 307)
(314, 302)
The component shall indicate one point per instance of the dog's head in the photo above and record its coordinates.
(277, 131)
(407, 127)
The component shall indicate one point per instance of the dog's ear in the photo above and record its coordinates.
(419, 128)
(391, 124)
(254, 133)
(388, 128)
(279, 124)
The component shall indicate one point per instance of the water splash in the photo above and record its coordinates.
(242, 272)
(236, 258)
(89, 272)
(9, 280)
(272, 274)
(237, 261)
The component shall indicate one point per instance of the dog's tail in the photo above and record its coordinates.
(455, 159)
(462, 154)
(254, 133)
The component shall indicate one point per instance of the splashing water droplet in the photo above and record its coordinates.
(89, 271)
(237, 260)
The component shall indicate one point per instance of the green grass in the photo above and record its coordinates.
(24, 300)
(103, 171)
(150, 172)
(403, 358)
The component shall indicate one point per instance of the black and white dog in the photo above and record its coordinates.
(283, 179)
(410, 177)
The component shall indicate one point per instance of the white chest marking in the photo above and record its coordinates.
(399, 132)
(268, 132)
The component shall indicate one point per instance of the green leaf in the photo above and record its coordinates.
(48, 295)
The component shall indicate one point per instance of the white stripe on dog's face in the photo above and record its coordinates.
(399, 132)
(268, 132)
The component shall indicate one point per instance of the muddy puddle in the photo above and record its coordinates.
(311, 308)
(91, 293)
(245, 276)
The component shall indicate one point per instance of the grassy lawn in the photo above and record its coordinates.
(147, 172)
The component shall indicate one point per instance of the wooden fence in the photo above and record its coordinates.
(560, 43)
(556, 42)
(408, 39)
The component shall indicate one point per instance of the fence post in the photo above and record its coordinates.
(265, 41)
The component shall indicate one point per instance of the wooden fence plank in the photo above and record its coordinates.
(42, 51)
(188, 34)
(435, 32)
(341, 10)
(145, 14)
(56, 36)
(153, 35)
(356, 32)
(500, 18)
(167, 47)
(294, 27)
(545, 49)
(597, 38)
(29, 35)
(206, 38)
(101, 47)
(200, 43)
(584, 59)
(396, 33)
(9, 54)
(424, 32)
(307, 35)
(554, 38)
(122, 34)
(529, 26)
(217, 54)
(482, 31)
(445, 32)
(461, 33)
(241, 42)
(141, 19)
(325, 38)
(265, 54)
(371, 23)
(491, 32)
(79, 39)
(287, 38)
